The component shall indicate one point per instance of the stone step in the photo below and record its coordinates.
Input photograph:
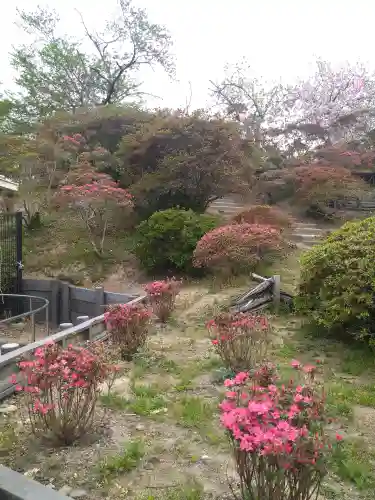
(307, 224)
(224, 201)
(312, 230)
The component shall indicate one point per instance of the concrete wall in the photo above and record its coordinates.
(67, 302)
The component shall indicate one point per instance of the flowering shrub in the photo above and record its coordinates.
(241, 340)
(278, 437)
(128, 327)
(263, 214)
(162, 296)
(61, 389)
(94, 195)
(237, 247)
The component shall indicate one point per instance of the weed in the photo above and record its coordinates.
(147, 400)
(341, 397)
(190, 491)
(194, 412)
(357, 361)
(8, 441)
(151, 362)
(352, 462)
(288, 351)
(114, 401)
(124, 461)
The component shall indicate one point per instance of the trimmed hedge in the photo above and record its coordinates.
(337, 285)
(167, 239)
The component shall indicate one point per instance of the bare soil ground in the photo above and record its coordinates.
(158, 434)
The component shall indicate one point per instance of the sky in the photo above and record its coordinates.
(279, 39)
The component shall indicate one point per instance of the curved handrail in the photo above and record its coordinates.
(31, 312)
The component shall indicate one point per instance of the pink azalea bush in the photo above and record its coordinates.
(238, 247)
(278, 436)
(241, 340)
(128, 327)
(61, 388)
(264, 214)
(162, 297)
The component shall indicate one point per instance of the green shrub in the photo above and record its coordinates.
(168, 238)
(337, 284)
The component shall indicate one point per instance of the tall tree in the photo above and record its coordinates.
(331, 105)
(55, 73)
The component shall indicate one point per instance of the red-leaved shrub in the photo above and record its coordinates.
(128, 327)
(278, 436)
(263, 214)
(241, 340)
(162, 297)
(238, 247)
(61, 388)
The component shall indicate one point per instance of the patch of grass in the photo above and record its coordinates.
(8, 441)
(125, 461)
(357, 361)
(150, 362)
(194, 412)
(114, 401)
(352, 462)
(147, 400)
(194, 369)
(341, 397)
(192, 490)
(287, 351)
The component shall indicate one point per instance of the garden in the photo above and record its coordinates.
(186, 398)
(189, 399)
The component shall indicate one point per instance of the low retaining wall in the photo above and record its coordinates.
(67, 302)
(15, 486)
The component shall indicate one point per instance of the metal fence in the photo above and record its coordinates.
(10, 261)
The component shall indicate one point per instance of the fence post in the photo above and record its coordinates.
(81, 319)
(65, 326)
(100, 300)
(54, 304)
(276, 291)
(65, 303)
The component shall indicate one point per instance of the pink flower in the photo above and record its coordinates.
(295, 364)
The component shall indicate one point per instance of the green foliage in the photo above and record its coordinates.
(182, 160)
(54, 72)
(353, 463)
(168, 238)
(337, 283)
(125, 461)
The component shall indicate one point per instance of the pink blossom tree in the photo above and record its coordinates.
(95, 196)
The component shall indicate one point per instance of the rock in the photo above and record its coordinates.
(65, 490)
(78, 493)
(140, 427)
(8, 409)
(31, 472)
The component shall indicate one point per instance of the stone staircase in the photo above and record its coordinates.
(305, 234)
(226, 207)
